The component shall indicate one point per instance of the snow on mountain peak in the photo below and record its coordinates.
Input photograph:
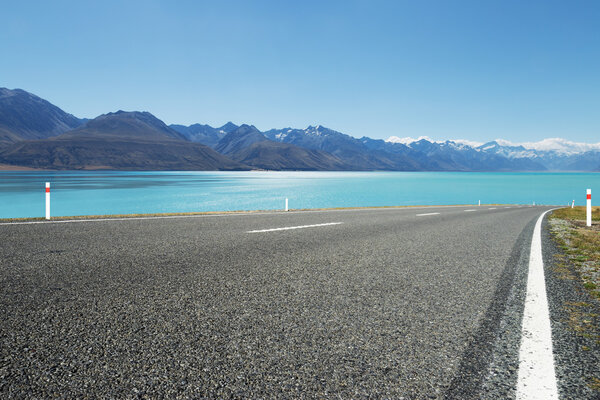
(409, 140)
(466, 142)
(312, 130)
(318, 130)
(558, 145)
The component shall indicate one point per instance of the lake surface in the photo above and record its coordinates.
(97, 193)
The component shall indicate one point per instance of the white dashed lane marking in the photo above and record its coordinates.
(287, 228)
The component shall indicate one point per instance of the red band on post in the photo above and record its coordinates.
(589, 196)
(47, 190)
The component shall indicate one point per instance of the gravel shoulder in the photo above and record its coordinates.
(575, 319)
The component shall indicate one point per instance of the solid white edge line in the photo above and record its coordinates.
(537, 378)
(294, 227)
(422, 215)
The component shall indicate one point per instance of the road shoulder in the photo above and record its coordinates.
(575, 323)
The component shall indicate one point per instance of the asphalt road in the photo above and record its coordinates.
(382, 304)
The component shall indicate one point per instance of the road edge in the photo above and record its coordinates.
(488, 368)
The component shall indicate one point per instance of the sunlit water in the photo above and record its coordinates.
(97, 193)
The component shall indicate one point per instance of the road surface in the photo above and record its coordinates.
(379, 303)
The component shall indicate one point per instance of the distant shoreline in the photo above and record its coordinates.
(18, 168)
(8, 167)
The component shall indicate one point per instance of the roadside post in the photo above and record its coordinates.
(573, 204)
(479, 202)
(589, 207)
(286, 204)
(47, 200)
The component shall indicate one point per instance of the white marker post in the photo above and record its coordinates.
(573, 204)
(47, 200)
(589, 207)
(286, 204)
(480, 203)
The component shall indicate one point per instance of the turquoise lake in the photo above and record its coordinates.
(93, 193)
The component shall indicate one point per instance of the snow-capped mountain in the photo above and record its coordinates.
(408, 140)
(509, 150)
(558, 145)
(554, 154)
(347, 148)
(422, 154)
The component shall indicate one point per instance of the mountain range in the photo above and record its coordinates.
(37, 134)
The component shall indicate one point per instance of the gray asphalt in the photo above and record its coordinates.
(386, 304)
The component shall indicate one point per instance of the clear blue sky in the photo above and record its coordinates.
(477, 70)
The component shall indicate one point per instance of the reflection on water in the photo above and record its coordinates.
(28, 181)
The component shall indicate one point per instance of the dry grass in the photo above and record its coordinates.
(576, 214)
(580, 243)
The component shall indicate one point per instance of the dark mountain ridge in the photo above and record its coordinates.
(205, 134)
(239, 139)
(120, 140)
(125, 125)
(25, 116)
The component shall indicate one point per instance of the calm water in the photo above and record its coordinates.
(88, 193)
